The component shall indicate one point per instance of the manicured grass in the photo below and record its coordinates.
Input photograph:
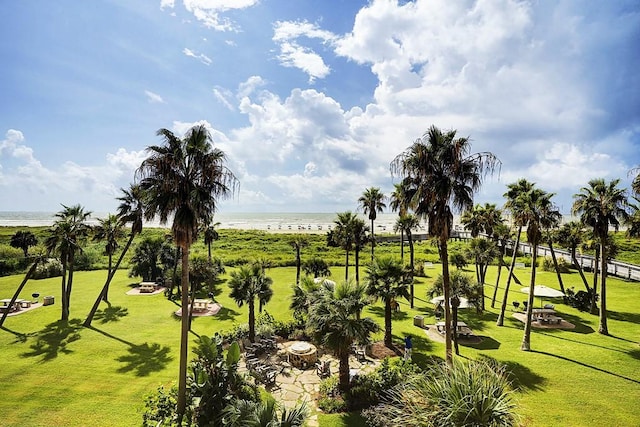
(54, 374)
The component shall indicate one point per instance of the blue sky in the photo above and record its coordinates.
(311, 100)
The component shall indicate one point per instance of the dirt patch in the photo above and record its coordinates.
(379, 351)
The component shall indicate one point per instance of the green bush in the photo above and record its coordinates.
(547, 264)
(330, 400)
(50, 268)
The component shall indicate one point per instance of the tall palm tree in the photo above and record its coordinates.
(110, 230)
(482, 251)
(400, 200)
(183, 179)
(387, 279)
(444, 175)
(130, 211)
(372, 203)
(342, 235)
(333, 319)
(248, 284)
(407, 223)
(516, 195)
(210, 235)
(66, 237)
(360, 238)
(23, 240)
(501, 236)
(599, 206)
(633, 221)
(539, 212)
(297, 243)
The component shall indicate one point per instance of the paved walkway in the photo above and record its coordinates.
(294, 386)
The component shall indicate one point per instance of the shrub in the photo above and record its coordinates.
(547, 264)
(330, 399)
(50, 268)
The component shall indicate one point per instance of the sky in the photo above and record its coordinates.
(312, 100)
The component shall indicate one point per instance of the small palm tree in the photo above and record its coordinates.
(248, 284)
(210, 235)
(23, 240)
(400, 201)
(482, 251)
(110, 230)
(388, 280)
(342, 236)
(334, 322)
(360, 239)
(317, 267)
(599, 206)
(129, 211)
(571, 236)
(407, 224)
(297, 243)
(247, 413)
(372, 203)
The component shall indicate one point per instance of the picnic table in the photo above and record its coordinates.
(147, 287)
(200, 305)
(545, 315)
(462, 329)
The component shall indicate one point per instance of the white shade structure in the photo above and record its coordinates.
(543, 292)
(464, 303)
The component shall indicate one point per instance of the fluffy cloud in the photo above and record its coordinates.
(209, 12)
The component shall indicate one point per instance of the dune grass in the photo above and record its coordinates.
(64, 374)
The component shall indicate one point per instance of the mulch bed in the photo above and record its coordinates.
(379, 351)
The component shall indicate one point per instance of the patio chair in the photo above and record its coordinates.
(323, 369)
(525, 304)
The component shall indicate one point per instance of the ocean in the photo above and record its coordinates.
(282, 222)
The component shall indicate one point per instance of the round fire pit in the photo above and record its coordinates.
(302, 354)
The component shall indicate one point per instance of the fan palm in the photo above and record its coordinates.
(407, 223)
(342, 235)
(600, 205)
(360, 239)
(129, 211)
(372, 203)
(183, 179)
(297, 243)
(400, 200)
(444, 176)
(23, 240)
(110, 230)
(248, 284)
(210, 235)
(482, 251)
(387, 280)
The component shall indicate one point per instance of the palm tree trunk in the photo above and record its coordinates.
(209, 251)
(252, 321)
(454, 308)
(411, 264)
(105, 293)
(603, 329)
(580, 271)
(298, 265)
(346, 267)
(503, 308)
(526, 339)
(27, 276)
(343, 370)
(444, 259)
(495, 289)
(92, 313)
(64, 305)
(388, 339)
(401, 245)
(596, 267)
(555, 264)
(70, 281)
(357, 256)
(373, 241)
(184, 335)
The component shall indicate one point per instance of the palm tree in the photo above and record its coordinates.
(304, 293)
(23, 240)
(342, 235)
(129, 211)
(66, 236)
(445, 176)
(633, 221)
(183, 179)
(210, 235)
(110, 230)
(297, 243)
(372, 203)
(387, 280)
(501, 235)
(571, 236)
(482, 251)
(407, 223)
(461, 286)
(334, 322)
(360, 239)
(516, 194)
(247, 413)
(248, 284)
(399, 201)
(539, 211)
(317, 267)
(599, 206)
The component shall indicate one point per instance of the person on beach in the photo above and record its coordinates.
(408, 346)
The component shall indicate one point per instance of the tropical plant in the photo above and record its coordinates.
(400, 200)
(360, 239)
(247, 413)
(183, 179)
(66, 237)
(372, 203)
(407, 223)
(461, 287)
(247, 284)
(109, 230)
(342, 236)
(317, 267)
(23, 240)
(467, 394)
(600, 205)
(483, 252)
(516, 195)
(210, 235)
(571, 236)
(333, 319)
(297, 243)
(501, 236)
(444, 176)
(145, 261)
(305, 293)
(388, 280)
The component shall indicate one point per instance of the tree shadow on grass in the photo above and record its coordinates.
(395, 315)
(145, 358)
(54, 339)
(226, 313)
(557, 356)
(111, 314)
(624, 317)
(142, 358)
(20, 336)
(486, 343)
(520, 376)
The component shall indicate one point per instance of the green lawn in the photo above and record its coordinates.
(54, 374)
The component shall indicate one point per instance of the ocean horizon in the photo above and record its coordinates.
(278, 221)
